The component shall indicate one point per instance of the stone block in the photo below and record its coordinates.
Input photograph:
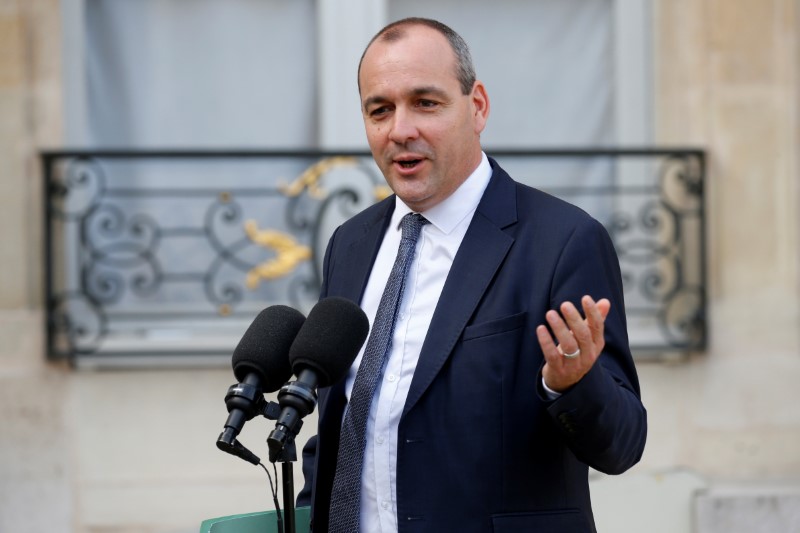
(12, 71)
(22, 346)
(35, 490)
(656, 502)
(749, 510)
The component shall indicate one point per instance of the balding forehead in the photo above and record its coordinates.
(394, 34)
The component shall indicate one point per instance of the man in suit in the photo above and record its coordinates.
(508, 373)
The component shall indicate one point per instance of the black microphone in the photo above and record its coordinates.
(321, 355)
(261, 364)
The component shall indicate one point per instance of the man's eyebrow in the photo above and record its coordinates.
(373, 100)
(418, 91)
(430, 90)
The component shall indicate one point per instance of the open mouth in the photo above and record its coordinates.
(408, 164)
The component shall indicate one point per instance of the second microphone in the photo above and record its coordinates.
(321, 354)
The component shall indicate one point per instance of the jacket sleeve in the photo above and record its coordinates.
(601, 418)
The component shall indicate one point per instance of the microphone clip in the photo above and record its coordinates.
(244, 401)
(300, 397)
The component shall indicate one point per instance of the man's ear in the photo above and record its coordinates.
(480, 105)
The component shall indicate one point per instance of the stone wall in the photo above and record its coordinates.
(727, 80)
(35, 474)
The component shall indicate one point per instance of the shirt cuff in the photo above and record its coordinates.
(550, 393)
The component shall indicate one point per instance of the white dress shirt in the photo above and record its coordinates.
(436, 249)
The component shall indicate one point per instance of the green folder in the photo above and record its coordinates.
(264, 522)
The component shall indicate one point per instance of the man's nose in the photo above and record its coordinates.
(404, 127)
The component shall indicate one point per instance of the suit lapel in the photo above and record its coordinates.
(480, 255)
(360, 254)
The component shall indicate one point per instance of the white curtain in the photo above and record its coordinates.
(242, 73)
(200, 73)
(547, 65)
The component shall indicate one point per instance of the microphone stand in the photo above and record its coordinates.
(297, 399)
(287, 456)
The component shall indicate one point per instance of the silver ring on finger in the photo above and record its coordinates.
(571, 355)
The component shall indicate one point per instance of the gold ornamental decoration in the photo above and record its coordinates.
(310, 178)
(289, 254)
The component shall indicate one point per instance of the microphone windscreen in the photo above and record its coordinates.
(330, 339)
(264, 347)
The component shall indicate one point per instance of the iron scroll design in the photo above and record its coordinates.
(173, 253)
(108, 246)
(661, 250)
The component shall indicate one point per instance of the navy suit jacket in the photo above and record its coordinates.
(480, 447)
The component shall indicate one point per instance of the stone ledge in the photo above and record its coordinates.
(749, 509)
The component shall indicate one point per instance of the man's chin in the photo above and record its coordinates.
(417, 200)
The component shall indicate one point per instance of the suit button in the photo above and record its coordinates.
(567, 422)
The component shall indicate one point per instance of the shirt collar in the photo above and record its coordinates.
(448, 213)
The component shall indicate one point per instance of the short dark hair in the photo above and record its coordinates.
(465, 70)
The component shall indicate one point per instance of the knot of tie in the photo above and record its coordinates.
(411, 225)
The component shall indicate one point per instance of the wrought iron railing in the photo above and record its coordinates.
(168, 254)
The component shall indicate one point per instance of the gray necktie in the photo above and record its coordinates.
(346, 493)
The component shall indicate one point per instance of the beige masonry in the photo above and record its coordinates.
(125, 451)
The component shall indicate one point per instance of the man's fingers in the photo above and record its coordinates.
(594, 318)
(604, 305)
(573, 331)
(549, 348)
(562, 330)
(596, 314)
(578, 326)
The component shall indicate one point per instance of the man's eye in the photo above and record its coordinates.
(378, 111)
(426, 103)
